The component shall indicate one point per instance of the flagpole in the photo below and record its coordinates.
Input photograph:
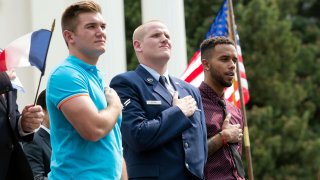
(45, 61)
(243, 108)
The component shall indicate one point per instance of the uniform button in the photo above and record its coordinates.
(186, 145)
(187, 165)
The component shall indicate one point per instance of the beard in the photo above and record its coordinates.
(218, 78)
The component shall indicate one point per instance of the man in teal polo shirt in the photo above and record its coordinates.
(85, 114)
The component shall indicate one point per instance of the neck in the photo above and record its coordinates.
(216, 88)
(89, 59)
(160, 68)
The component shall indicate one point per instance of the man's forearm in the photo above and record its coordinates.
(214, 143)
(124, 175)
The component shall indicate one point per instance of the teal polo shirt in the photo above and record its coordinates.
(72, 156)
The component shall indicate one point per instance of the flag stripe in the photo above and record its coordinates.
(197, 71)
(17, 52)
(38, 51)
(3, 66)
(194, 63)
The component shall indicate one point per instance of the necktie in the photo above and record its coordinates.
(233, 148)
(163, 81)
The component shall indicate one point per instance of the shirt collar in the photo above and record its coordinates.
(154, 73)
(206, 89)
(79, 62)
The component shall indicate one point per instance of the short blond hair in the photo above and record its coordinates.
(140, 31)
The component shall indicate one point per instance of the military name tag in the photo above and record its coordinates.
(150, 102)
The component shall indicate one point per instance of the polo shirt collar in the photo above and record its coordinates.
(79, 62)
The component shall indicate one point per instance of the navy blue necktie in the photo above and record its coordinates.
(163, 81)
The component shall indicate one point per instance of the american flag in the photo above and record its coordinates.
(194, 72)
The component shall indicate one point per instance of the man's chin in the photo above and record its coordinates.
(227, 84)
(166, 55)
(101, 51)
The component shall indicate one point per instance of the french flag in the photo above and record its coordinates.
(28, 50)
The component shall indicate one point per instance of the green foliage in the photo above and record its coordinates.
(279, 145)
(269, 55)
(132, 20)
(285, 83)
(280, 69)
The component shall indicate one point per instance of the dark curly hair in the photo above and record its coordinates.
(210, 43)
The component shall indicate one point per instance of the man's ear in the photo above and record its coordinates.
(68, 36)
(205, 64)
(137, 46)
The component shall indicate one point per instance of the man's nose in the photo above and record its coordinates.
(232, 64)
(101, 30)
(164, 38)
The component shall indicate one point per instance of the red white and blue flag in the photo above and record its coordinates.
(194, 72)
(28, 50)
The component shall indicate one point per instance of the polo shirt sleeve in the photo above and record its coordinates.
(66, 83)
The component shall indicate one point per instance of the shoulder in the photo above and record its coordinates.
(66, 81)
(128, 74)
(67, 70)
(127, 77)
(67, 74)
(186, 85)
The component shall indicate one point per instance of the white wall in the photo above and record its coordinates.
(113, 61)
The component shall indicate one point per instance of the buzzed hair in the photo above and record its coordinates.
(209, 44)
(69, 18)
(139, 32)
